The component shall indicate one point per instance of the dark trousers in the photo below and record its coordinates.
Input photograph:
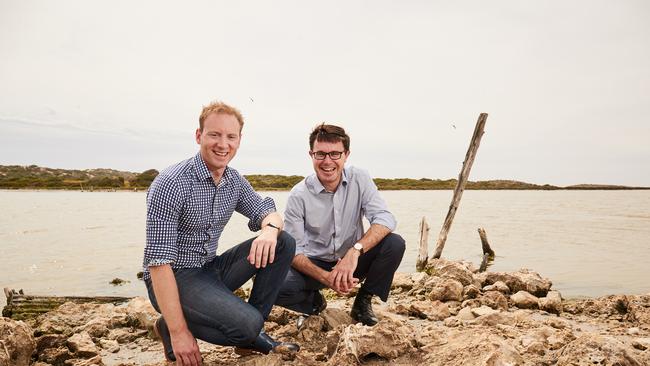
(212, 312)
(377, 267)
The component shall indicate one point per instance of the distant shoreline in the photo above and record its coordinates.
(16, 177)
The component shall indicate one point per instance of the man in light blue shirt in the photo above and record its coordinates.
(324, 214)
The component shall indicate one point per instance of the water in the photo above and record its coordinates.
(590, 243)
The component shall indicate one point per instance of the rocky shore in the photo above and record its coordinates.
(451, 315)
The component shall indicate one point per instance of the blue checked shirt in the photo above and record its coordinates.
(187, 212)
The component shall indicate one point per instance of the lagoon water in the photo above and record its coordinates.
(589, 243)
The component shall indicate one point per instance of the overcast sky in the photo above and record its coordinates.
(120, 84)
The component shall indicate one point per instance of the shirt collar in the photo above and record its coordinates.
(203, 173)
(317, 187)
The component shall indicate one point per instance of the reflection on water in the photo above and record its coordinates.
(589, 243)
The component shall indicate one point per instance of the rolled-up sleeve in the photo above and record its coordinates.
(294, 221)
(163, 211)
(253, 206)
(373, 205)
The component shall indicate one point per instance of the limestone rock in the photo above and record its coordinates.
(16, 342)
(141, 309)
(522, 280)
(471, 292)
(335, 318)
(465, 314)
(447, 289)
(402, 281)
(55, 356)
(49, 341)
(524, 300)
(311, 328)
(82, 345)
(592, 349)
(388, 339)
(498, 286)
(94, 361)
(495, 300)
(459, 271)
(551, 303)
(109, 345)
(483, 310)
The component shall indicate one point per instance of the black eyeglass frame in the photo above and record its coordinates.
(334, 155)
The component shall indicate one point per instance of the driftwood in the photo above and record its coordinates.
(488, 253)
(20, 306)
(423, 255)
(460, 185)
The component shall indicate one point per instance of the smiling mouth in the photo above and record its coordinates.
(222, 154)
(328, 169)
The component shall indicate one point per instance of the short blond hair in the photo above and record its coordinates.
(220, 107)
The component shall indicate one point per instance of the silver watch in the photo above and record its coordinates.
(358, 246)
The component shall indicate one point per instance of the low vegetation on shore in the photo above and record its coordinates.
(35, 177)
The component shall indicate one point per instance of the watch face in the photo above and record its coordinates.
(358, 247)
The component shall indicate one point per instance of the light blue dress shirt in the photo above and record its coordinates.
(325, 224)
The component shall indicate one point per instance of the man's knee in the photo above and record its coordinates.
(286, 245)
(249, 330)
(394, 244)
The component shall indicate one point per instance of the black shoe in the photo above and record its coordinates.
(362, 309)
(162, 332)
(319, 304)
(265, 344)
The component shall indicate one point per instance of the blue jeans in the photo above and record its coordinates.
(212, 312)
(376, 267)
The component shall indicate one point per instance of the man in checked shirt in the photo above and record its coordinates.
(188, 206)
(324, 214)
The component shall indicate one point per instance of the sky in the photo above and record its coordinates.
(120, 84)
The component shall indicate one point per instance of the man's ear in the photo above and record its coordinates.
(198, 136)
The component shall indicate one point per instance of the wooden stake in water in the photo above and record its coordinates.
(488, 253)
(460, 185)
(423, 255)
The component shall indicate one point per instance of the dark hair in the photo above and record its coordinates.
(329, 133)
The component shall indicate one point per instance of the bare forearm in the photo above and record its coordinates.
(302, 264)
(166, 290)
(373, 236)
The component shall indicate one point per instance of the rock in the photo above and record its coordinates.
(438, 311)
(633, 331)
(388, 339)
(435, 310)
(524, 300)
(82, 345)
(465, 314)
(96, 328)
(97, 360)
(266, 360)
(55, 356)
(335, 318)
(595, 349)
(483, 310)
(110, 345)
(49, 341)
(471, 292)
(402, 281)
(311, 328)
(495, 300)
(447, 289)
(522, 280)
(141, 309)
(498, 286)
(126, 335)
(16, 342)
(497, 317)
(481, 349)
(459, 271)
(641, 343)
(551, 303)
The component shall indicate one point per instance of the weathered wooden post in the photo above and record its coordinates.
(423, 255)
(460, 185)
(488, 253)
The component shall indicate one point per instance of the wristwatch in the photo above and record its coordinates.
(358, 246)
(273, 226)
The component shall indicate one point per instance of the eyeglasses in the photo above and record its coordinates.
(320, 155)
